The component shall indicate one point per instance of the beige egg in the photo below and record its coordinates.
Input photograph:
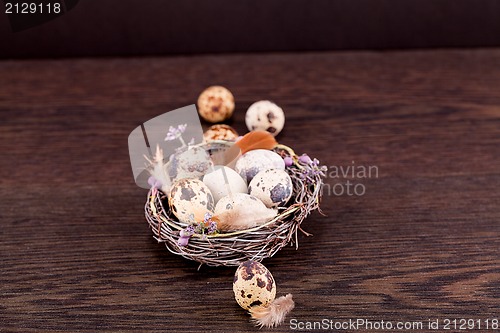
(265, 116)
(255, 161)
(215, 104)
(220, 132)
(189, 197)
(253, 284)
(216, 182)
(273, 187)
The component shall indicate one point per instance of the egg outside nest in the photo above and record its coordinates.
(255, 290)
(216, 104)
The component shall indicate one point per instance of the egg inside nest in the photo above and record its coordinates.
(189, 196)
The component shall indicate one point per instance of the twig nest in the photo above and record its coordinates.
(188, 196)
(253, 285)
(215, 104)
(265, 116)
(255, 290)
(220, 132)
(255, 161)
(273, 187)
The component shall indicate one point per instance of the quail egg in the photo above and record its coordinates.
(188, 197)
(193, 162)
(254, 161)
(215, 104)
(273, 187)
(216, 182)
(220, 132)
(266, 116)
(253, 284)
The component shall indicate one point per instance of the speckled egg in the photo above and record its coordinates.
(215, 104)
(220, 132)
(191, 163)
(266, 116)
(273, 187)
(188, 196)
(216, 182)
(253, 284)
(254, 161)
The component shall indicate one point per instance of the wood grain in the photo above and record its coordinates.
(421, 243)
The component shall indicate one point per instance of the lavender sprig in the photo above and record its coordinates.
(206, 227)
(310, 168)
(176, 133)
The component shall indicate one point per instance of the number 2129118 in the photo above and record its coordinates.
(32, 8)
(470, 324)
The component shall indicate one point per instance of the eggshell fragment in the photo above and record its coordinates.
(266, 116)
(253, 285)
(215, 104)
(255, 161)
(273, 187)
(190, 197)
(216, 182)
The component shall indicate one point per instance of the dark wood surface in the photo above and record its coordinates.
(421, 243)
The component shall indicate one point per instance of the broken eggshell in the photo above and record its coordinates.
(255, 161)
(189, 197)
(273, 187)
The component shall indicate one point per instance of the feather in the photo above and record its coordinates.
(241, 211)
(241, 218)
(158, 170)
(250, 141)
(274, 314)
(256, 140)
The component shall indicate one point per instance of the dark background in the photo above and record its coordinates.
(159, 27)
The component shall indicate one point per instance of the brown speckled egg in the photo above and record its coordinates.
(253, 285)
(220, 132)
(191, 163)
(188, 196)
(273, 187)
(265, 116)
(255, 161)
(215, 104)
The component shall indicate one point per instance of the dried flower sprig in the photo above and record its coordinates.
(309, 168)
(175, 133)
(206, 227)
(314, 168)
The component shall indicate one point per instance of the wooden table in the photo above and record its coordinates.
(421, 243)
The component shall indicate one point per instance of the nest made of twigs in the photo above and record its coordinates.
(233, 248)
